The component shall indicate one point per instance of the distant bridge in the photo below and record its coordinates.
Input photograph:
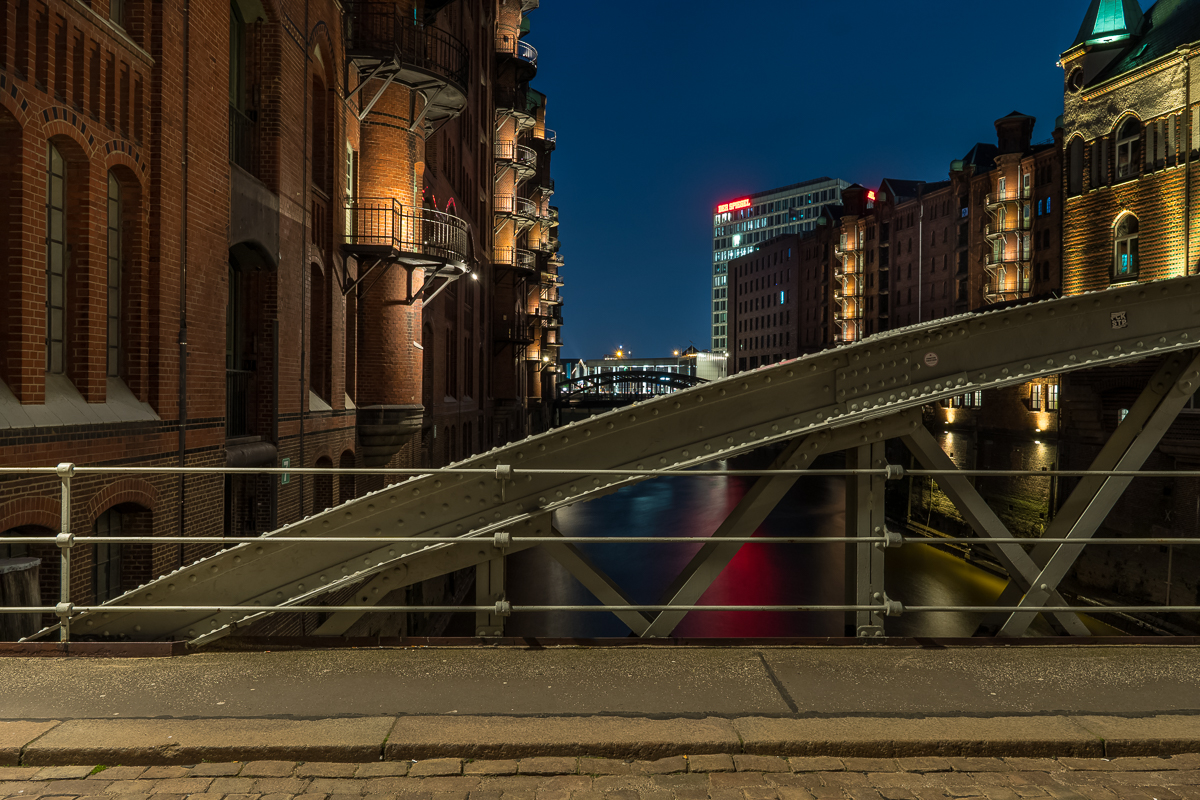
(627, 385)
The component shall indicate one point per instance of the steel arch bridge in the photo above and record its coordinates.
(637, 383)
(853, 399)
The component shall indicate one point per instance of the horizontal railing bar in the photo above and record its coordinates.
(50, 540)
(1089, 610)
(697, 473)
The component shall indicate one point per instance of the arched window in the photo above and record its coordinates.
(106, 571)
(56, 262)
(1129, 139)
(1075, 167)
(115, 266)
(1125, 249)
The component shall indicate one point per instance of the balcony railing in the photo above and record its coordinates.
(526, 208)
(526, 157)
(382, 31)
(520, 330)
(518, 258)
(242, 141)
(1019, 256)
(383, 228)
(548, 134)
(546, 185)
(995, 290)
(509, 42)
(238, 386)
(517, 101)
(1009, 226)
(1007, 196)
(540, 243)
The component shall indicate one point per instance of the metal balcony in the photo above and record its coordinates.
(387, 46)
(519, 103)
(514, 257)
(517, 156)
(382, 229)
(994, 199)
(546, 186)
(553, 215)
(548, 136)
(1018, 257)
(527, 209)
(510, 46)
(519, 330)
(1008, 290)
(540, 244)
(995, 230)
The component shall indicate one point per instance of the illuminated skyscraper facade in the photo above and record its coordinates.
(739, 225)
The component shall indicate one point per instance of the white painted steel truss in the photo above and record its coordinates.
(852, 398)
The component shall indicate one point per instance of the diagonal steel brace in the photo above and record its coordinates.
(1088, 487)
(980, 516)
(1042, 587)
(753, 508)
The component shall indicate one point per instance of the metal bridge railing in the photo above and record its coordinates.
(66, 540)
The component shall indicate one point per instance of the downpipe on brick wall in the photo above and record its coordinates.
(183, 282)
(304, 268)
(1188, 134)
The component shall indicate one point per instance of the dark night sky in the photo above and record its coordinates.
(666, 107)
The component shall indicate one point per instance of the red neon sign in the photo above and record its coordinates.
(871, 195)
(734, 206)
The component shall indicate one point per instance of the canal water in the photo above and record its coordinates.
(776, 574)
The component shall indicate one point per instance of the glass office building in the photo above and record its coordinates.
(742, 224)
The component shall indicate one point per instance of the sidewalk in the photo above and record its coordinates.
(628, 703)
(711, 777)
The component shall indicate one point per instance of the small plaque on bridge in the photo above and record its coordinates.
(1119, 320)
(931, 359)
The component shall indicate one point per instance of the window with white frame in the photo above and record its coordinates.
(1128, 141)
(1125, 249)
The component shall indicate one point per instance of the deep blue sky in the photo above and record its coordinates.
(666, 107)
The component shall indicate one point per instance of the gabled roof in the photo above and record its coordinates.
(1109, 21)
(1167, 25)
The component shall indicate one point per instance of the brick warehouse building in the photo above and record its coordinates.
(906, 252)
(323, 226)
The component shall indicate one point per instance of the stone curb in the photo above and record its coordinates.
(373, 739)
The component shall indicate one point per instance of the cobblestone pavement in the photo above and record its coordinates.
(719, 777)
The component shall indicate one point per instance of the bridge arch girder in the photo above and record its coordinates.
(845, 392)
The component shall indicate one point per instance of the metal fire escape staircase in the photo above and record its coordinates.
(850, 398)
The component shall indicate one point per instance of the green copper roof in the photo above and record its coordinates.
(1110, 21)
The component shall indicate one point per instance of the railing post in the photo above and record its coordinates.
(65, 540)
(865, 518)
(489, 590)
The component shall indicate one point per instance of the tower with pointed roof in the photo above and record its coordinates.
(1131, 143)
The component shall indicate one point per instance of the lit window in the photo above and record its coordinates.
(1052, 397)
(1125, 249)
(1036, 393)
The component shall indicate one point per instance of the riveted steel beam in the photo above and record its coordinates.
(835, 391)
